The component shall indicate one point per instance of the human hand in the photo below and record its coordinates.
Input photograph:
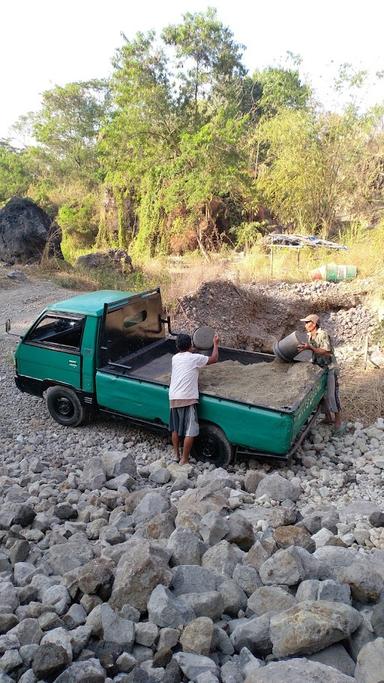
(304, 347)
(216, 339)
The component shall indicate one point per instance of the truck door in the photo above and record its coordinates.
(51, 349)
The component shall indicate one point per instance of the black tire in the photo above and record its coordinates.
(64, 406)
(212, 446)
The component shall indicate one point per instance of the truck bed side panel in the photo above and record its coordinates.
(308, 404)
(249, 426)
(133, 397)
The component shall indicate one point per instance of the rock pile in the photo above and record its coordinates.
(254, 316)
(118, 564)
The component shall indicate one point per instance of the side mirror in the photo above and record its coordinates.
(8, 329)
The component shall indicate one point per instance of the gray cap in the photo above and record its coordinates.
(312, 318)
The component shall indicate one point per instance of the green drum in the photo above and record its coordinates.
(332, 272)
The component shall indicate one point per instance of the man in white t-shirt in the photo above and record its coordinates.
(184, 393)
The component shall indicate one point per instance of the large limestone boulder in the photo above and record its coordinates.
(26, 231)
(365, 583)
(253, 634)
(370, 662)
(64, 557)
(270, 600)
(118, 259)
(139, 571)
(167, 611)
(337, 657)
(193, 665)
(311, 626)
(89, 671)
(192, 579)
(278, 488)
(197, 636)
(297, 671)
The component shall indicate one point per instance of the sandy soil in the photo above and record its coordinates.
(275, 384)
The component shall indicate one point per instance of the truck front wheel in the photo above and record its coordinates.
(212, 446)
(64, 406)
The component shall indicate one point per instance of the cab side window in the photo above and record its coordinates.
(57, 331)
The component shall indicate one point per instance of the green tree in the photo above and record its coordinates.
(208, 59)
(278, 89)
(14, 173)
(143, 122)
(141, 134)
(67, 129)
(200, 192)
(157, 154)
(317, 168)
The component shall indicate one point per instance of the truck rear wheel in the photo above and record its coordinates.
(64, 406)
(212, 446)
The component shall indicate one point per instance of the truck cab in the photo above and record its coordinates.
(62, 351)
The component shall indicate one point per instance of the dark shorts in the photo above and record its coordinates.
(184, 421)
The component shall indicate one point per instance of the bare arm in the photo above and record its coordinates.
(214, 357)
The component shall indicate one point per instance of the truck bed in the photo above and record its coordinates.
(133, 386)
(152, 363)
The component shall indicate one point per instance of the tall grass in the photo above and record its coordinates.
(178, 276)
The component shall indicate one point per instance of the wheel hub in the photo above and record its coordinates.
(64, 406)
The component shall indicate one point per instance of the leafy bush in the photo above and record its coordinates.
(79, 223)
(247, 234)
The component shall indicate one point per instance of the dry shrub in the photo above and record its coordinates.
(186, 279)
(63, 274)
(362, 394)
(76, 281)
(181, 243)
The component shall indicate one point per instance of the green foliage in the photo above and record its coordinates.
(279, 89)
(208, 58)
(247, 234)
(316, 168)
(67, 128)
(183, 150)
(151, 215)
(79, 222)
(14, 174)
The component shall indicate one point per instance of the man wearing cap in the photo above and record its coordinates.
(320, 344)
(184, 393)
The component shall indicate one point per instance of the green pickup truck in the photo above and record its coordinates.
(109, 351)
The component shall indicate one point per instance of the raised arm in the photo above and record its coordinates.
(214, 357)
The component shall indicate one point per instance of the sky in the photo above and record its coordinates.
(49, 42)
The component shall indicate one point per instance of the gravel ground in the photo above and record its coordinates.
(26, 425)
(117, 564)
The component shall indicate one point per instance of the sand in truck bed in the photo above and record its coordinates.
(274, 384)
